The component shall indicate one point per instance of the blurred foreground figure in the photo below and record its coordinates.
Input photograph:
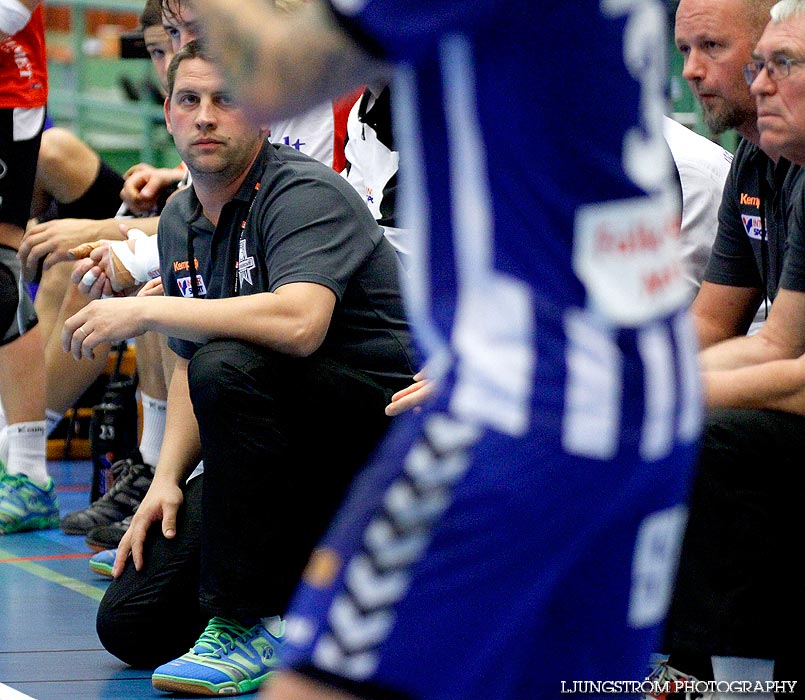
(523, 529)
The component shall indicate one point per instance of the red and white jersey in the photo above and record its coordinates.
(320, 132)
(23, 66)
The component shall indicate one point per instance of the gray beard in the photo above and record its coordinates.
(731, 118)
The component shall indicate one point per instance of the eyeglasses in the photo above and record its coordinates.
(778, 68)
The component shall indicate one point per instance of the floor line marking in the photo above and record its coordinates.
(48, 557)
(59, 579)
(7, 693)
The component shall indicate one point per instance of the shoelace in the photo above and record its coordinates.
(220, 636)
(123, 490)
(126, 484)
(120, 468)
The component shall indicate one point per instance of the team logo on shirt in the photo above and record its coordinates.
(753, 226)
(186, 288)
(245, 265)
(749, 200)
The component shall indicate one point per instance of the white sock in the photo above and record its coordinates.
(274, 624)
(154, 412)
(52, 419)
(738, 668)
(27, 451)
(3, 421)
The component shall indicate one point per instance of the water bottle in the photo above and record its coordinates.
(112, 434)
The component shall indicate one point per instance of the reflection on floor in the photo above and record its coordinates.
(48, 599)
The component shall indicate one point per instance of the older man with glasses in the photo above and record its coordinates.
(738, 603)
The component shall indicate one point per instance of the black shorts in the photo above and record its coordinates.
(738, 590)
(17, 313)
(20, 134)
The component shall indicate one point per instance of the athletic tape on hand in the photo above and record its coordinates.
(89, 278)
(143, 263)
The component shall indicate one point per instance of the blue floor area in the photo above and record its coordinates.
(48, 600)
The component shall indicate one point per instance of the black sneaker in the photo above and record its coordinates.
(107, 536)
(132, 479)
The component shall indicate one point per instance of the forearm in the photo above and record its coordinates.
(722, 311)
(147, 224)
(776, 385)
(98, 229)
(295, 327)
(181, 446)
(742, 351)
(109, 229)
(709, 333)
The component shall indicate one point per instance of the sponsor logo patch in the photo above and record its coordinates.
(186, 289)
(749, 200)
(753, 225)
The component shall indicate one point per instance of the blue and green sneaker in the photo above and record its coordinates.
(26, 506)
(102, 562)
(228, 659)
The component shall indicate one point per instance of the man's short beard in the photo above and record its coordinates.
(732, 117)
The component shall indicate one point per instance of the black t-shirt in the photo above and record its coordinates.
(755, 222)
(793, 277)
(304, 223)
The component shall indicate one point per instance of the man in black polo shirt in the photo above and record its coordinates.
(716, 40)
(731, 614)
(282, 304)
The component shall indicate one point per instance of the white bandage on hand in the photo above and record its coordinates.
(89, 278)
(13, 16)
(130, 268)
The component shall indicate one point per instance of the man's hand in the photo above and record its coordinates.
(90, 277)
(412, 396)
(161, 503)
(51, 241)
(143, 185)
(104, 321)
(152, 288)
(115, 262)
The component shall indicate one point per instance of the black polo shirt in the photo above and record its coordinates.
(755, 220)
(304, 223)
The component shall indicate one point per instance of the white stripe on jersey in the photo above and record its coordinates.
(690, 418)
(471, 199)
(349, 7)
(656, 352)
(493, 332)
(591, 422)
(414, 214)
(594, 390)
(377, 576)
